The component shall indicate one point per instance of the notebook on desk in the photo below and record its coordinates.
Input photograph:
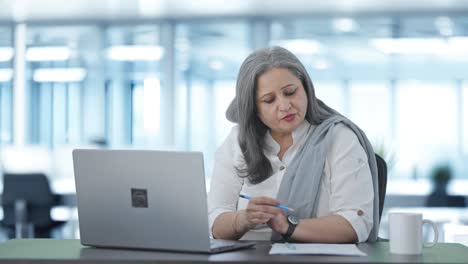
(144, 199)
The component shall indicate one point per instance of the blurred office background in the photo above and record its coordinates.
(159, 75)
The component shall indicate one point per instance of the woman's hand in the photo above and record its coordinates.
(279, 223)
(260, 210)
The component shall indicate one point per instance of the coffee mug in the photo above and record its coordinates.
(405, 233)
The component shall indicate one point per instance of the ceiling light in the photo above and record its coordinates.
(444, 25)
(48, 53)
(6, 53)
(135, 53)
(345, 25)
(299, 46)
(59, 75)
(151, 8)
(410, 45)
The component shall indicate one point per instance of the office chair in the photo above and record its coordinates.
(382, 175)
(27, 198)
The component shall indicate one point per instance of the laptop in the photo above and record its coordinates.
(144, 199)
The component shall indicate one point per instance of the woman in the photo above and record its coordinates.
(290, 148)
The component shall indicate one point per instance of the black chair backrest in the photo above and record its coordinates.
(35, 190)
(382, 175)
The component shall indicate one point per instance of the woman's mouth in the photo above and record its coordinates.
(289, 118)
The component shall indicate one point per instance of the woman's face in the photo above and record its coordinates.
(281, 101)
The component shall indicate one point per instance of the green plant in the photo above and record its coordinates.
(383, 151)
(441, 174)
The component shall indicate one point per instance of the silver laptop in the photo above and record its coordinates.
(144, 200)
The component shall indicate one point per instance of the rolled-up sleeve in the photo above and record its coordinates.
(225, 183)
(351, 189)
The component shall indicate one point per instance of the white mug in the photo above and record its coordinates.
(405, 233)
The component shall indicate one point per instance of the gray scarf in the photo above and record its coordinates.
(299, 188)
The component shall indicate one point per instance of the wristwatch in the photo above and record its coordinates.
(293, 221)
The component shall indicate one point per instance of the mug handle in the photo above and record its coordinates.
(436, 233)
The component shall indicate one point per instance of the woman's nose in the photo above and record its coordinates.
(284, 105)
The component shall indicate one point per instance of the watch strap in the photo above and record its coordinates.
(289, 232)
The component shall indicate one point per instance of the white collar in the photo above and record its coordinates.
(299, 133)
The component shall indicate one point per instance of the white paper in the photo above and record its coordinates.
(316, 249)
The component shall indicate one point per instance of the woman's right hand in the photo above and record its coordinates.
(259, 211)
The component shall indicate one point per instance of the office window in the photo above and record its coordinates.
(6, 97)
(335, 48)
(465, 120)
(335, 52)
(208, 57)
(209, 105)
(6, 85)
(60, 69)
(306, 38)
(426, 126)
(133, 68)
(370, 110)
(146, 119)
(55, 113)
(201, 116)
(168, 84)
(224, 92)
(331, 93)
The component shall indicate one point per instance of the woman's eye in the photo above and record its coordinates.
(289, 93)
(269, 101)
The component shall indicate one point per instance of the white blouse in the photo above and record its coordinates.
(346, 186)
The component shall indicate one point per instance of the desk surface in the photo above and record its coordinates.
(70, 251)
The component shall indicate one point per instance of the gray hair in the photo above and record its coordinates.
(243, 109)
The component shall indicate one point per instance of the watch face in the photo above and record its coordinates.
(293, 219)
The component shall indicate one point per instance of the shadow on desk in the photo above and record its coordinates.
(91, 253)
(71, 251)
(377, 253)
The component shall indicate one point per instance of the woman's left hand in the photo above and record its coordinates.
(279, 223)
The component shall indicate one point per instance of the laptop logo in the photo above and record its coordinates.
(139, 198)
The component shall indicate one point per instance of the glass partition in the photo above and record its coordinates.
(464, 119)
(426, 126)
(167, 84)
(208, 57)
(370, 107)
(6, 84)
(61, 64)
(396, 77)
(135, 86)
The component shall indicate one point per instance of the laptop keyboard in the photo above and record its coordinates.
(216, 243)
(219, 245)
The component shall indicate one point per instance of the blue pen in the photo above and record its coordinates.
(279, 205)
